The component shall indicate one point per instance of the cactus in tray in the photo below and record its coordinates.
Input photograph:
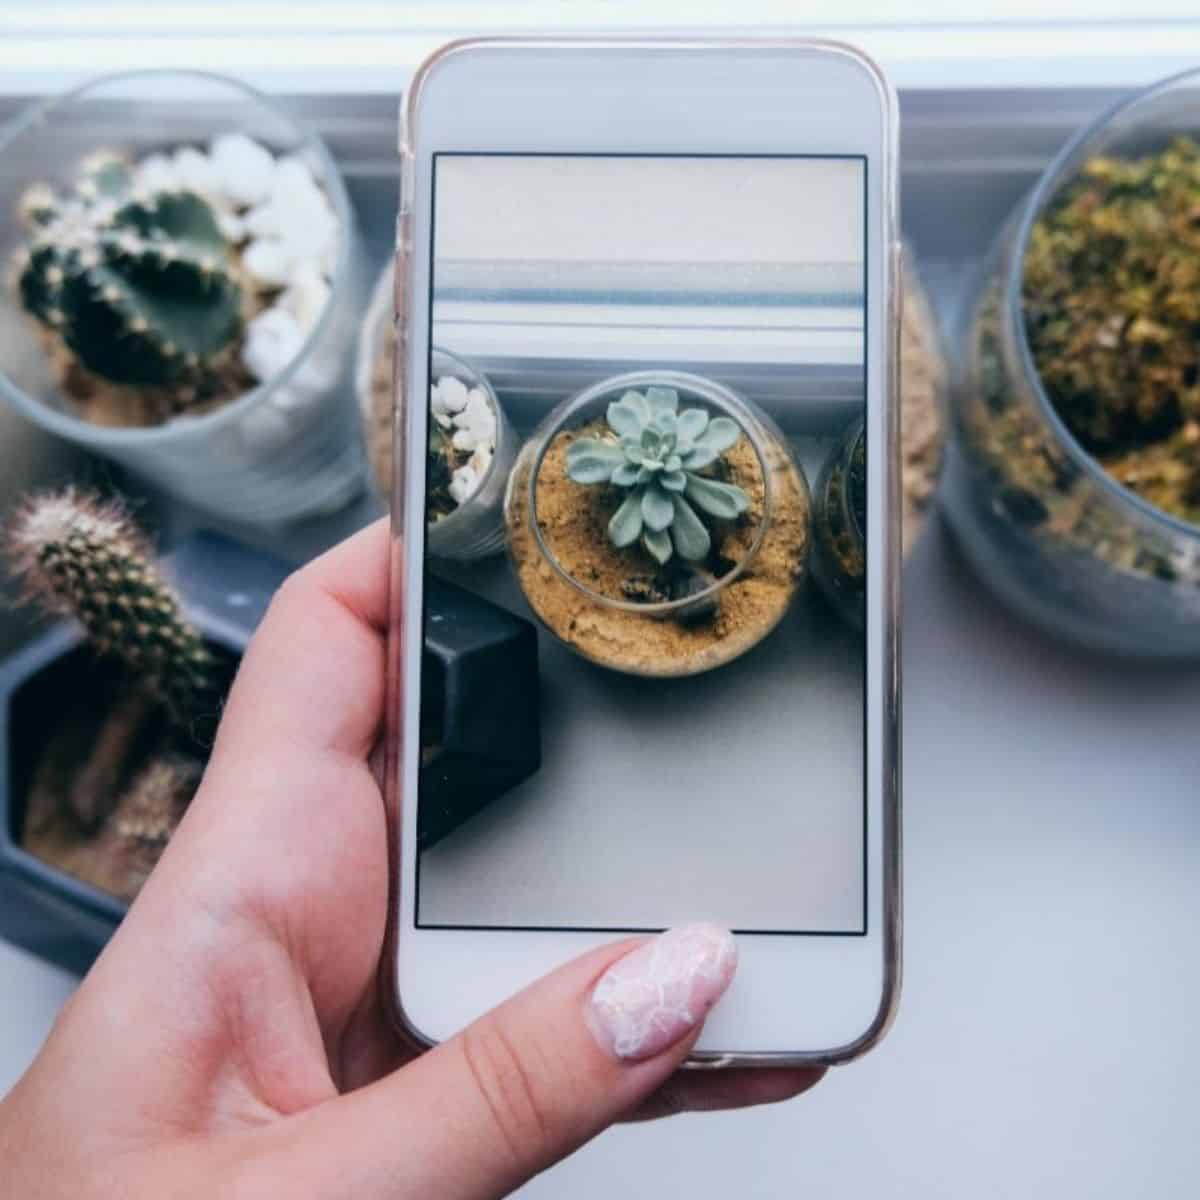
(656, 453)
(83, 557)
(138, 285)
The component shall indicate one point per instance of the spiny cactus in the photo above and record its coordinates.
(138, 286)
(149, 812)
(82, 557)
(657, 453)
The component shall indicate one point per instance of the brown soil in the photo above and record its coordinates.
(112, 846)
(922, 418)
(109, 783)
(377, 423)
(574, 518)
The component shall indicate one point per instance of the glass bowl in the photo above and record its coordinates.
(1040, 520)
(284, 449)
(839, 559)
(475, 529)
(631, 621)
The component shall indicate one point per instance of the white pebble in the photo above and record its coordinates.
(453, 393)
(232, 227)
(476, 423)
(194, 171)
(273, 339)
(463, 483)
(298, 214)
(244, 169)
(478, 411)
(442, 420)
(268, 262)
(307, 294)
(292, 174)
(156, 173)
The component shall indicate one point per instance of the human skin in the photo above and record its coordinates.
(231, 1040)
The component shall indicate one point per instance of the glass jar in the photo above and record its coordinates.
(286, 448)
(475, 528)
(839, 562)
(617, 607)
(1041, 521)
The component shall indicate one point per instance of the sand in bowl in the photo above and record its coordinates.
(573, 520)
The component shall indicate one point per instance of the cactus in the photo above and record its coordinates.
(656, 455)
(138, 286)
(145, 819)
(82, 557)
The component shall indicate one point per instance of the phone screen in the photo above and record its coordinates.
(642, 680)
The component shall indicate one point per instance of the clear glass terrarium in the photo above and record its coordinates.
(839, 561)
(474, 527)
(619, 607)
(281, 449)
(1042, 522)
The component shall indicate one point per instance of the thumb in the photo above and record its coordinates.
(526, 1084)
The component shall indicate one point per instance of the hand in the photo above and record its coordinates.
(230, 1041)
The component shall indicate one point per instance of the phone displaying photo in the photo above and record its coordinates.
(676, 344)
(650, 488)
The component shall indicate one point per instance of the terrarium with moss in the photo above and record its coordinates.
(658, 524)
(1074, 485)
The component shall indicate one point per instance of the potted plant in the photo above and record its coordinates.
(839, 561)
(658, 524)
(471, 446)
(186, 261)
(106, 722)
(1074, 483)
(839, 501)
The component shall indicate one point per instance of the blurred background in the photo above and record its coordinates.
(1044, 1046)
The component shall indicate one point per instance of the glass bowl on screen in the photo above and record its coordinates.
(839, 554)
(658, 524)
(471, 449)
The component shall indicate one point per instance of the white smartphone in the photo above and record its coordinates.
(643, 654)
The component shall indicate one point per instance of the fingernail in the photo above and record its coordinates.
(649, 999)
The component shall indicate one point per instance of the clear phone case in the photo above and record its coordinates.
(402, 628)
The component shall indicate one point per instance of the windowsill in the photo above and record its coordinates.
(372, 48)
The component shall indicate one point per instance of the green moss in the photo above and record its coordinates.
(1111, 296)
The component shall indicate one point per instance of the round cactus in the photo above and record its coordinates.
(139, 286)
(82, 557)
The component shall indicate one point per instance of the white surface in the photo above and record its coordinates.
(558, 211)
(1045, 1047)
(635, 812)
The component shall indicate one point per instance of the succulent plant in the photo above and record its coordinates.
(138, 285)
(656, 454)
(83, 557)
